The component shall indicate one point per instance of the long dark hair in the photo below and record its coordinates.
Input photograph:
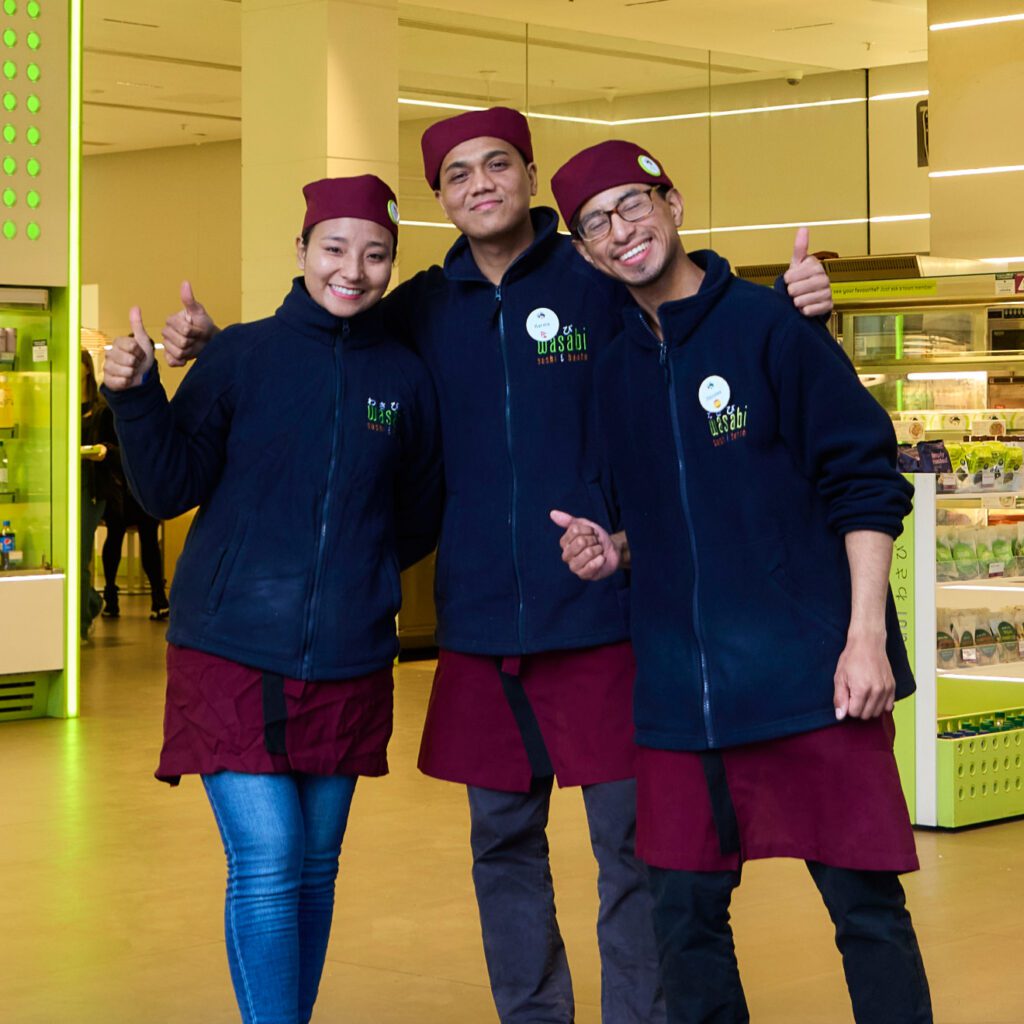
(92, 391)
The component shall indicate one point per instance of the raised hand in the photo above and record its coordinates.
(130, 358)
(806, 280)
(587, 549)
(187, 332)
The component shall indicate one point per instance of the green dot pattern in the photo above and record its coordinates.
(10, 37)
(32, 199)
(10, 101)
(33, 136)
(10, 165)
(33, 9)
(10, 197)
(33, 104)
(10, 229)
(32, 166)
(10, 133)
(33, 40)
(32, 230)
(33, 72)
(10, 6)
(10, 69)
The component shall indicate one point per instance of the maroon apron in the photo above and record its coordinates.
(832, 795)
(498, 722)
(222, 716)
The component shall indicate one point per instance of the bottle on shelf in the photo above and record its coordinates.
(6, 545)
(5, 475)
(6, 403)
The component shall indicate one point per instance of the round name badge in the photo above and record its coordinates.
(649, 164)
(542, 324)
(714, 394)
(393, 211)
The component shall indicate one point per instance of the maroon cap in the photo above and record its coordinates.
(497, 122)
(365, 197)
(605, 165)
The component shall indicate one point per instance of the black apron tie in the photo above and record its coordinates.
(722, 810)
(526, 720)
(275, 713)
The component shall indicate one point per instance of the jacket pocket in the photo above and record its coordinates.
(224, 567)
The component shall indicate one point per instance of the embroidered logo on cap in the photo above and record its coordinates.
(393, 211)
(649, 164)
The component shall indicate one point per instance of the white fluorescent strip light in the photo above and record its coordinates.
(993, 676)
(970, 171)
(1002, 259)
(975, 22)
(32, 578)
(695, 116)
(737, 227)
(950, 375)
(985, 587)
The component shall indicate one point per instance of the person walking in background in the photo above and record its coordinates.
(97, 489)
(282, 621)
(120, 512)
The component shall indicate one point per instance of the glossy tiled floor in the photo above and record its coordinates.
(112, 887)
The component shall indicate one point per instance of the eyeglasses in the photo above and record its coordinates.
(633, 207)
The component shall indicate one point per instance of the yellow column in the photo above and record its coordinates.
(976, 79)
(319, 99)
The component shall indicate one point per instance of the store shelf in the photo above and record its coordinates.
(1007, 672)
(994, 584)
(9, 433)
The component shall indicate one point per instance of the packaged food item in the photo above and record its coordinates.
(985, 642)
(967, 652)
(946, 639)
(957, 461)
(983, 548)
(988, 426)
(1007, 638)
(955, 421)
(1004, 561)
(909, 431)
(935, 457)
(908, 459)
(945, 567)
(965, 556)
(1014, 462)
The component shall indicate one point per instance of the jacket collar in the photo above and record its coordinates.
(299, 313)
(682, 317)
(459, 264)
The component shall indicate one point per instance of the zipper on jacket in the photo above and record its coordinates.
(684, 496)
(325, 506)
(513, 517)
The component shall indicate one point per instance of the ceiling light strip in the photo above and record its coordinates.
(695, 116)
(1002, 259)
(976, 22)
(972, 171)
(899, 218)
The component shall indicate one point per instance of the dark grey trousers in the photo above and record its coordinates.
(526, 957)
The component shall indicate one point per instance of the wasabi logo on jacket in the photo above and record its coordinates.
(382, 416)
(569, 345)
(728, 425)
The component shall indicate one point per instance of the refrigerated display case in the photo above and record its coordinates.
(40, 145)
(944, 357)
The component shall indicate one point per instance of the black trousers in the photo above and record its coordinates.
(149, 550)
(874, 933)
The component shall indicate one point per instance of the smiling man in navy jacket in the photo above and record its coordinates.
(759, 494)
(535, 676)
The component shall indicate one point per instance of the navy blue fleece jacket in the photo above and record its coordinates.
(743, 450)
(311, 446)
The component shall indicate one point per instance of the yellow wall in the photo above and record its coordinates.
(151, 218)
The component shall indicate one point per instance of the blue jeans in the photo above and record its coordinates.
(282, 835)
(884, 972)
(526, 959)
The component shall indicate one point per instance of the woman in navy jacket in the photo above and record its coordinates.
(309, 441)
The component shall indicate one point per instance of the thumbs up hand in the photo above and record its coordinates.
(130, 358)
(806, 280)
(187, 332)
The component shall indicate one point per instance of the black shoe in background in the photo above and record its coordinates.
(111, 607)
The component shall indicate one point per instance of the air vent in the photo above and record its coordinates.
(17, 699)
